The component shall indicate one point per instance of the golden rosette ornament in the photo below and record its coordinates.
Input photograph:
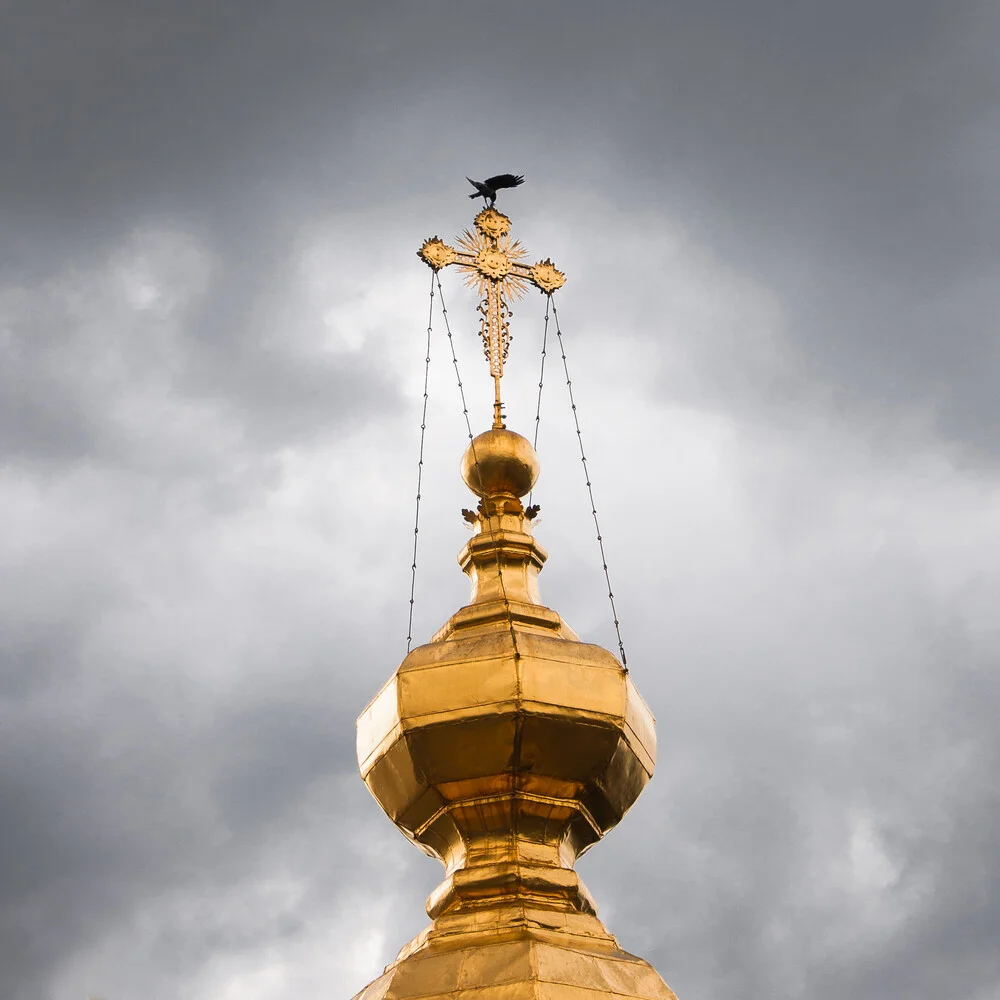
(492, 224)
(547, 276)
(494, 264)
(436, 253)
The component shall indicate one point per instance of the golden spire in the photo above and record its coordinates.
(492, 262)
(504, 746)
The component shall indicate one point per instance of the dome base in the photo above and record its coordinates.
(520, 964)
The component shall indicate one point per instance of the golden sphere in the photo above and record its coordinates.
(500, 461)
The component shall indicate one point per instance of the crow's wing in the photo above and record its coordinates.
(475, 184)
(504, 181)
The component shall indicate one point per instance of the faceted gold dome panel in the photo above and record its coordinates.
(466, 743)
(527, 969)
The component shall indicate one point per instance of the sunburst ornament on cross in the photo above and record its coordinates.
(492, 261)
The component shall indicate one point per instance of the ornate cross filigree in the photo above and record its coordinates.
(492, 262)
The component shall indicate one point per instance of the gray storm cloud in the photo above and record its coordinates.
(779, 229)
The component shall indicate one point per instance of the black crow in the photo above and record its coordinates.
(487, 189)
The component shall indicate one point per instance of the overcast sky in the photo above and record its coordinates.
(779, 221)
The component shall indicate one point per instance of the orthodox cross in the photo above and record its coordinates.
(492, 261)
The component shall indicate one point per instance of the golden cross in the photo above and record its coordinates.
(492, 261)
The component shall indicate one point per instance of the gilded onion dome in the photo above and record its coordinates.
(505, 747)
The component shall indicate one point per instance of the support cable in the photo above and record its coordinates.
(420, 466)
(541, 381)
(590, 490)
(475, 459)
